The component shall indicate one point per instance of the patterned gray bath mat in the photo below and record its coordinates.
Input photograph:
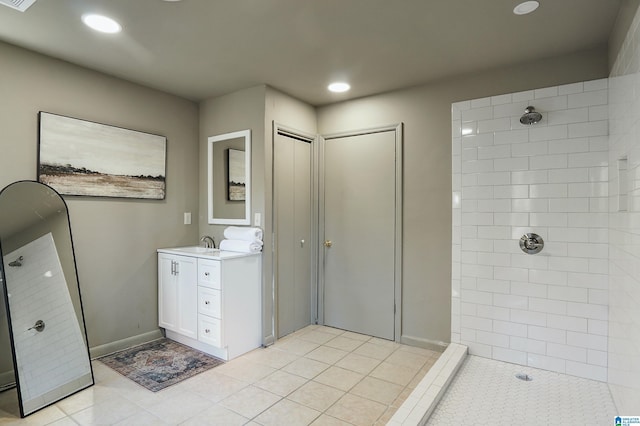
(159, 364)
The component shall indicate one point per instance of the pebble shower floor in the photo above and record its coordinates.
(486, 392)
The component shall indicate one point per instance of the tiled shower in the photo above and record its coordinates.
(36, 295)
(624, 222)
(43, 295)
(572, 179)
(547, 310)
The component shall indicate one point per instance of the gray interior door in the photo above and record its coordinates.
(360, 184)
(292, 226)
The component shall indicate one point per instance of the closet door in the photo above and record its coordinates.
(292, 227)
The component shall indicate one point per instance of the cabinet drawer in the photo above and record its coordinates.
(209, 302)
(209, 273)
(209, 331)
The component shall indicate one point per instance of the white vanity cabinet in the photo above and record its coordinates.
(223, 299)
(177, 294)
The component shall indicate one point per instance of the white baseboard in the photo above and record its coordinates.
(269, 340)
(433, 345)
(109, 348)
(7, 378)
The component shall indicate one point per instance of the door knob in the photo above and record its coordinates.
(328, 243)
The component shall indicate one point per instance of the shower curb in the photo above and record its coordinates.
(417, 408)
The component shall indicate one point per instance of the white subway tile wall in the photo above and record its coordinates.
(39, 291)
(624, 246)
(551, 179)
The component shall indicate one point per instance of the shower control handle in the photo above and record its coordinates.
(531, 243)
(38, 326)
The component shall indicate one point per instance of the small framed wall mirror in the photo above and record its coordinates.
(229, 178)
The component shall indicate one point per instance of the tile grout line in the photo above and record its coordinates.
(265, 367)
(375, 342)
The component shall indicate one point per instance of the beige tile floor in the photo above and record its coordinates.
(318, 375)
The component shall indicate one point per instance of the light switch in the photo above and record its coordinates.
(257, 219)
(187, 218)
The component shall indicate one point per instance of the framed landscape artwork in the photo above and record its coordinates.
(236, 186)
(78, 157)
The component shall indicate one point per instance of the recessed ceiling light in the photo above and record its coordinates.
(101, 23)
(339, 87)
(526, 7)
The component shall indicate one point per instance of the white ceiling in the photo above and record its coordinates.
(204, 48)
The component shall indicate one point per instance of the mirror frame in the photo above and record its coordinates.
(78, 310)
(246, 134)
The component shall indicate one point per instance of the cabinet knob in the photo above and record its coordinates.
(207, 331)
(206, 302)
(206, 274)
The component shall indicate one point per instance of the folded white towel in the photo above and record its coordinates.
(243, 233)
(241, 246)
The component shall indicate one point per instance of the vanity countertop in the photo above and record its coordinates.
(204, 253)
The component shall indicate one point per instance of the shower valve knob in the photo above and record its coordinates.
(531, 243)
(38, 326)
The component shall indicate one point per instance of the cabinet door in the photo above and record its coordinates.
(178, 294)
(167, 293)
(186, 272)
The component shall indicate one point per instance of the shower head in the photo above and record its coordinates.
(17, 262)
(530, 116)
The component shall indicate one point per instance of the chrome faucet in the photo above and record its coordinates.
(208, 242)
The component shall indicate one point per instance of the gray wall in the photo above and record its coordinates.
(426, 114)
(254, 108)
(115, 239)
(240, 110)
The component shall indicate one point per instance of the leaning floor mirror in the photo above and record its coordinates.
(43, 320)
